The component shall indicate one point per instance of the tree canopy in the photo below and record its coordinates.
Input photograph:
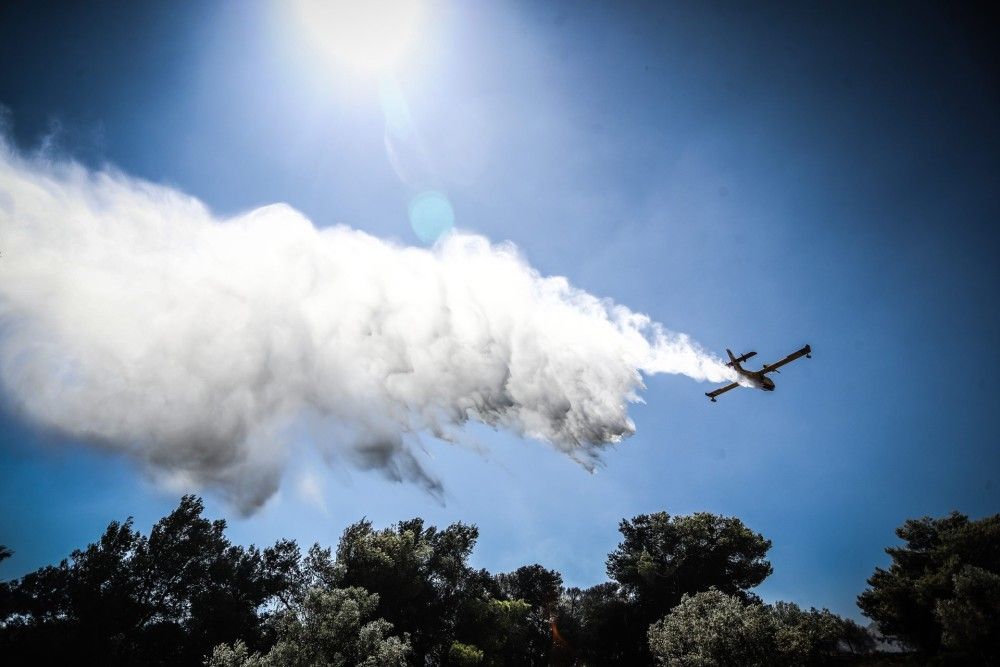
(599, 626)
(420, 574)
(661, 558)
(163, 599)
(970, 619)
(713, 628)
(680, 594)
(334, 627)
(937, 580)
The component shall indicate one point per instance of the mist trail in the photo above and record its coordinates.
(134, 319)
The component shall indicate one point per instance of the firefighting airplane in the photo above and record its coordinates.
(759, 378)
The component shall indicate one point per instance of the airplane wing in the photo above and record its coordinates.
(721, 390)
(770, 368)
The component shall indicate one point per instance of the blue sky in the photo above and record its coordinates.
(757, 178)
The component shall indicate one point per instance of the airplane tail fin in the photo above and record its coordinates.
(734, 361)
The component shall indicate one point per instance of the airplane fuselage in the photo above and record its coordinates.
(757, 379)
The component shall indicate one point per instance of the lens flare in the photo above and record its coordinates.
(431, 216)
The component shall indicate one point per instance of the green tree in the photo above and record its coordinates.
(333, 627)
(713, 629)
(420, 574)
(905, 599)
(166, 598)
(500, 630)
(540, 589)
(808, 637)
(534, 584)
(596, 626)
(970, 620)
(661, 558)
(464, 655)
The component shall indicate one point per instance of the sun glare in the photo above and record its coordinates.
(368, 35)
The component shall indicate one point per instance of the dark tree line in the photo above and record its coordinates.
(130, 599)
(680, 593)
(941, 593)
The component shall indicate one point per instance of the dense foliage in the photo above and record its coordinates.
(328, 627)
(941, 593)
(713, 628)
(163, 599)
(662, 558)
(680, 594)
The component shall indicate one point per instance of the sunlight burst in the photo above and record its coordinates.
(368, 36)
